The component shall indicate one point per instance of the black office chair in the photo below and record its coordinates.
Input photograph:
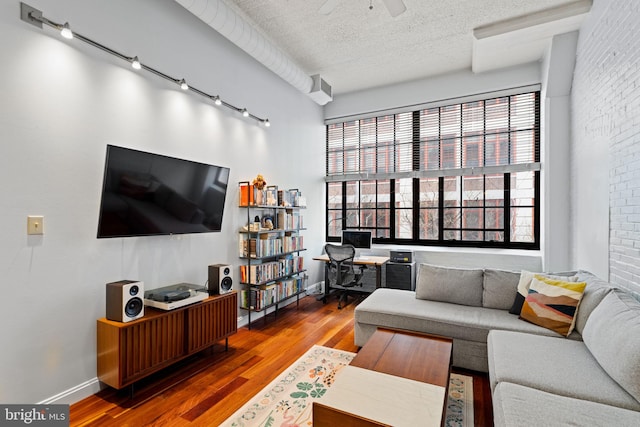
(340, 272)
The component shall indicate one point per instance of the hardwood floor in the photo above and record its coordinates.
(207, 388)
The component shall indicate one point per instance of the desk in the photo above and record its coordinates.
(369, 260)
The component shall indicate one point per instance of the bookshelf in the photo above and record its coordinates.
(272, 268)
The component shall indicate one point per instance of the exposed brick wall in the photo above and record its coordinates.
(606, 116)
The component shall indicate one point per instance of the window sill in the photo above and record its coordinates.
(509, 259)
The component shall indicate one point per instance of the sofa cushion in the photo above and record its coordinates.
(499, 288)
(518, 406)
(552, 304)
(612, 334)
(595, 291)
(454, 285)
(555, 365)
(523, 287)
(394, 308)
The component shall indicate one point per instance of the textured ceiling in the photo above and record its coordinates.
(356, 48)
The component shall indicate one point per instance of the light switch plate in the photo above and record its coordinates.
(35, 224)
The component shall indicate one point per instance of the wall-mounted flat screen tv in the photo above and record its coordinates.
(146, 194)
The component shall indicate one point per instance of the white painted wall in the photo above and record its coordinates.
(605, 148)
(453, 85)
(590, 155)
(61, 103)
(557, 76)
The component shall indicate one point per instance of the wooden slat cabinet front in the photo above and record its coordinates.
(211, 322)
(128, 352)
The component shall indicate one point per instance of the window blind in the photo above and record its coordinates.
(495, 135)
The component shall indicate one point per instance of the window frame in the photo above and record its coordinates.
(478, 141)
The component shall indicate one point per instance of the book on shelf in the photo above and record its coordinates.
(291, 198)
(246, 195)
(269, 244)
(248, 247)
(292, 243)
(267, 271)
(262, 296)
(289, 220)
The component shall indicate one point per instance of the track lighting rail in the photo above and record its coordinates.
(35, 17)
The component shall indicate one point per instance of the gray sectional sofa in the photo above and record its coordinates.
(537, 377)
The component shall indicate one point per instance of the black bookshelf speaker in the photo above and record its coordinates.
(124, 300)
(220, 279)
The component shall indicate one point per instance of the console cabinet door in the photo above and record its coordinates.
(212, 321)
(152, 345)
(129, 351)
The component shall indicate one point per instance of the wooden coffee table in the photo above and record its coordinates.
(397, 377)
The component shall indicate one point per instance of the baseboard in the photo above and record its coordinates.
(75, 394)
(315, 288)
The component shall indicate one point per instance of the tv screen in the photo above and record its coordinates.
(145, 194)
(359, 239)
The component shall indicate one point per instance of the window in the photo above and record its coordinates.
(465, 174)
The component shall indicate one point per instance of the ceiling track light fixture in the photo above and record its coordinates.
(34, 17)
(66, 32)
(135, 63)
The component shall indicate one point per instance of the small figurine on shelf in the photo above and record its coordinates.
(255, 225)
(272, 195)
(258, 184)
(267, 223)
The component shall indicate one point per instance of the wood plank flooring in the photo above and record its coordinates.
(207, 388)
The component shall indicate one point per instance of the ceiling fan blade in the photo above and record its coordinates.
(328, 7)
(395, 7)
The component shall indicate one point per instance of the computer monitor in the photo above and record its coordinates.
(358, 238)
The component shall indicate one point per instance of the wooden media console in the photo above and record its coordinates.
(128, 352)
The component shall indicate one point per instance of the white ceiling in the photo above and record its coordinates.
(356, 48)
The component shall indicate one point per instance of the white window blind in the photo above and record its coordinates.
(479, 137)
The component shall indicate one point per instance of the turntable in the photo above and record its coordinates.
(175, 296)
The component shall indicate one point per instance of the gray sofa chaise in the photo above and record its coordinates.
(537, 377)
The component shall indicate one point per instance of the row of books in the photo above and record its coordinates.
(249, 195)
(259, 273)
(269, 245)
(290, 221)
(291, 198)
(293, 243)
(265, 295)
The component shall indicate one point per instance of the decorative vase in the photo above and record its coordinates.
(259, 197)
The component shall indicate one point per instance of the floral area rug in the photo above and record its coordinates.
(287, 401)
(460, 402)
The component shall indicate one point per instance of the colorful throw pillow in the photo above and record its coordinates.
(553, 304)
(523, 288)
